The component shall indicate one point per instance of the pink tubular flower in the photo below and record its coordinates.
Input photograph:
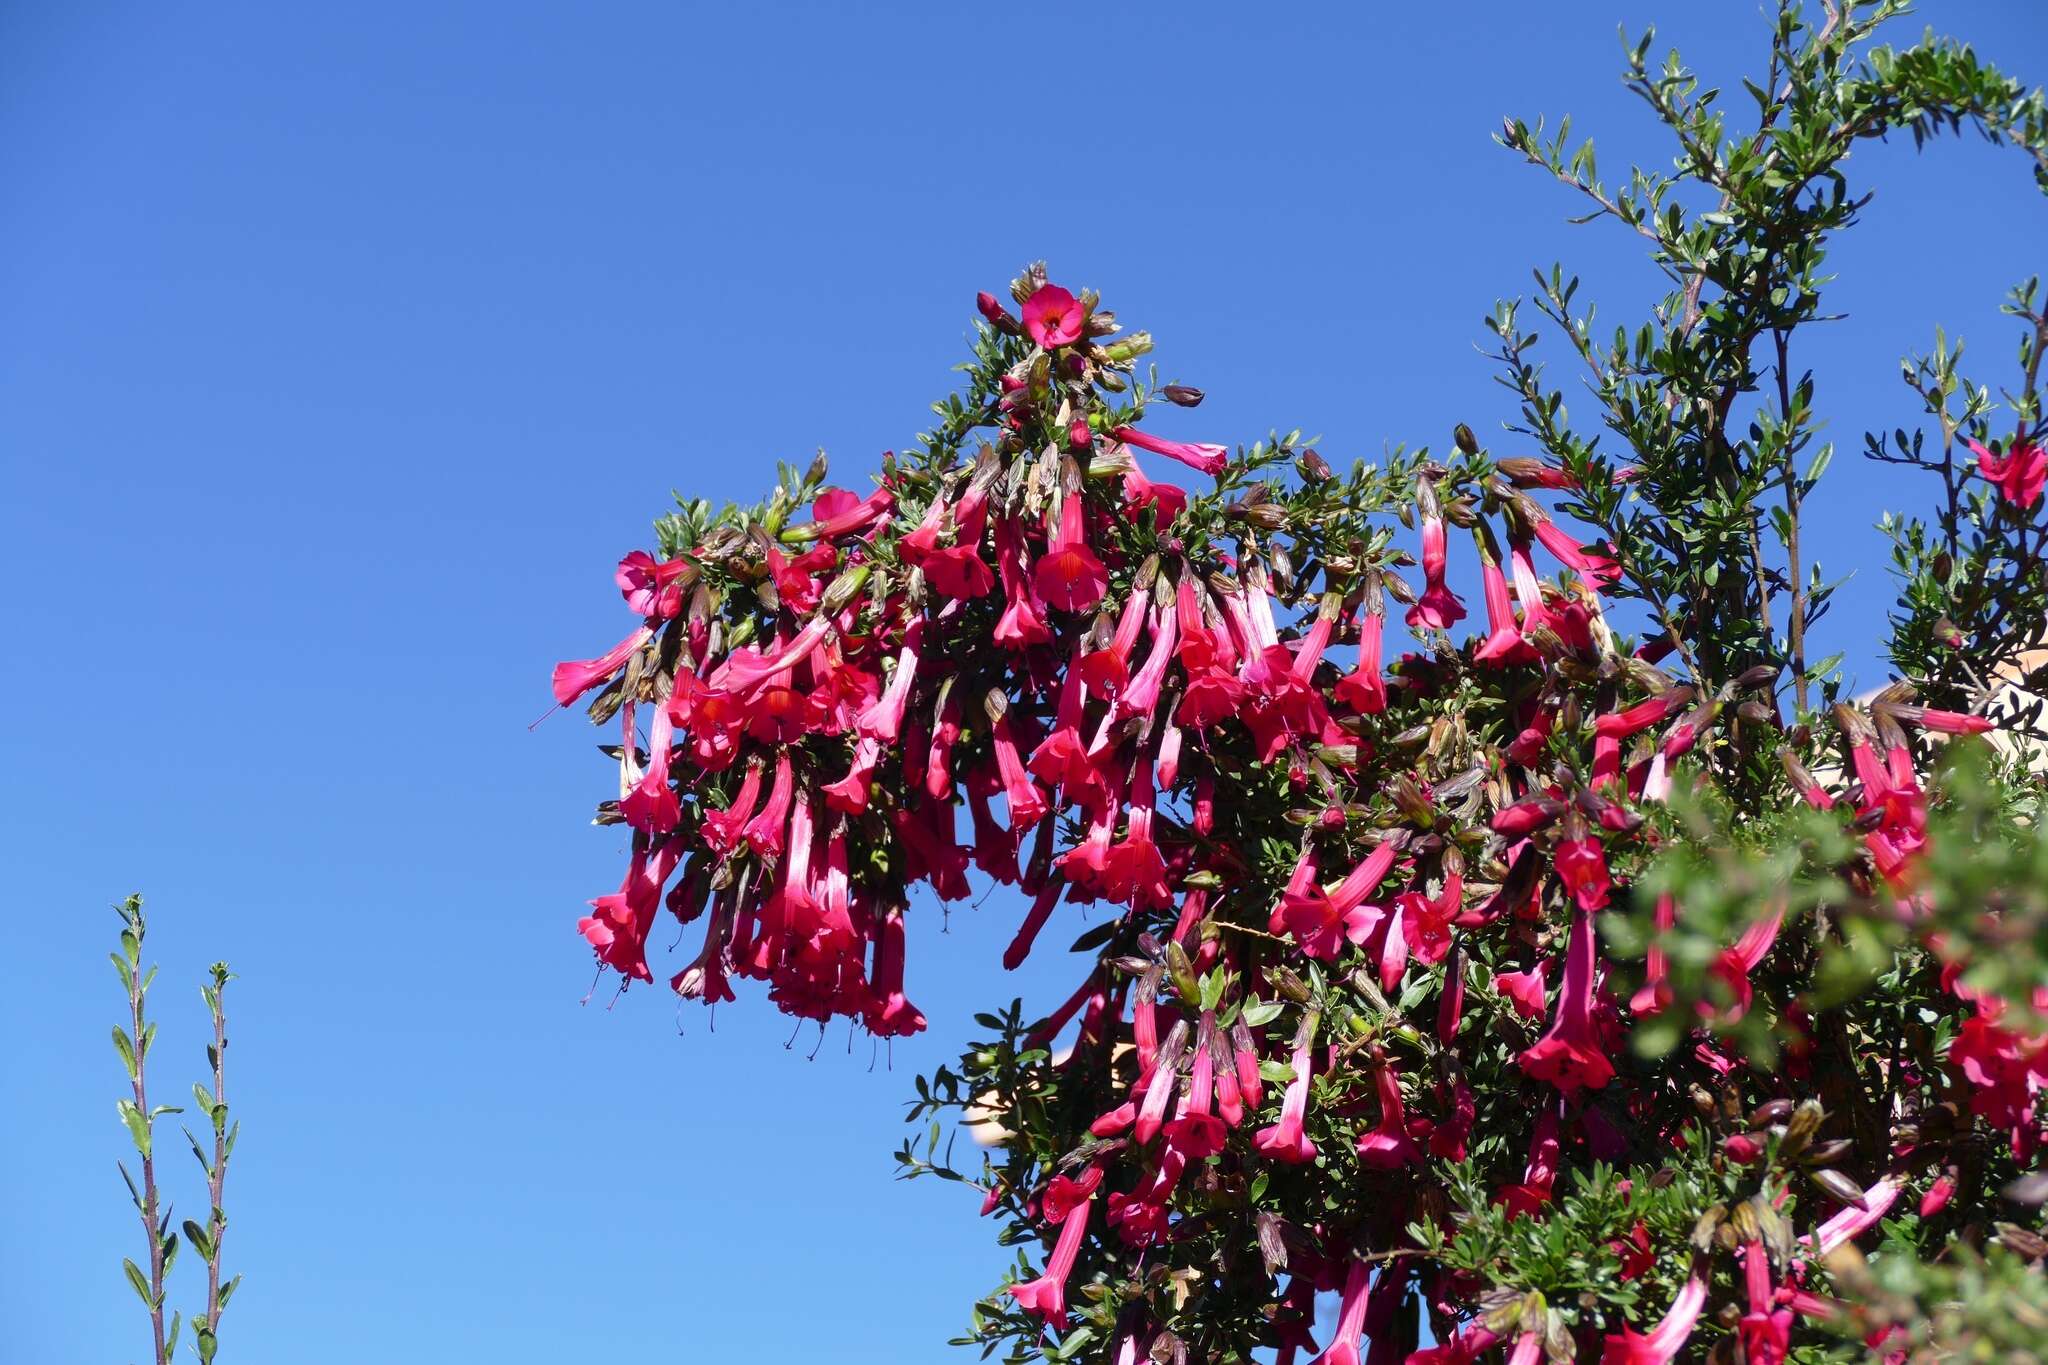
(1948, 722)
(575, 677)
(1504, 645)
(652, 804)
(1166, 500)
(888, 1013)
(1322, 922)
(1069, 576)
(835, 512)
(1643, 715)
(651, 587)
(1387, 1146)
(1054, 317)
(1525, 990)
(1662, 1343)
(1569, 1055)
(1364, 689)
(1853, 1222)
(1067, 1202)
(1733, 966)
(883, 721)
(1582, 866)
(1285, 1141)
(1208, 459)
(1596, 568)
(1023, 622)
(1344, 1343)
(1438, 608)
(1027, 803)
(1656, 991)
(2020, 473)
(1143, 693)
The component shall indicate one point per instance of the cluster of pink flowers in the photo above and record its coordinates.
(1027, 634)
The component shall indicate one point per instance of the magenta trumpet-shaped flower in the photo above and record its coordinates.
(1285, 1141)
(652, 587)
(1209, 459)
(1022, 623)
(1525, 990)
(1733, 966)
(1054, 317)
(1388, 1147)
(1344, 1343)
(1069, 576)
(577, 676)
(1582, 866)
(1438, 608)
(1143, 693)
(1323, 921)
(652, 804)
(883, 721)
(1656, 991)
(889, 1014)
(1504, 645)
(1569, 1055)
(1662, 1343)
(1643, 715)
(2020, 473)
(1364, 689)
(1591, 565)
(1067, 1203)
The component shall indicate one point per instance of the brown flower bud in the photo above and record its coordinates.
(1464, 439)
(1183, 395)
(1839, 1186)
(1801, 1127)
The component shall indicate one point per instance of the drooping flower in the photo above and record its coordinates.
(577, 676)
(1387, 1146)
(1582, 866)
(1503, 646)
(1662, 1343)
(1066, 1205)
(2020, 472)
(1068, 575)
(1350, 1332)
(1525, 990)
(1733, 966)
(1285, 1141)
(652, 804)
(1570, 1055)
(1054, 317)
(1208, 459)
(1438, 608)
(1596, 568)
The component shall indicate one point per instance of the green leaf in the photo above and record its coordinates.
(138, 1127)
(126, 1049)
(201, 1243)
(1260, 1013)
(140, 1281)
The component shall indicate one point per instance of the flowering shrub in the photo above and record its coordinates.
(1591, 981)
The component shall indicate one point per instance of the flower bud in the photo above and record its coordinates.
(1466, 441)
(998, 316)
(1182, 395)
(1801, 1127)
(1839, 1186)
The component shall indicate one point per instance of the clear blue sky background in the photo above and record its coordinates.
(346, 348)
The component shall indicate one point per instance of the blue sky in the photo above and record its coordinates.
(348, 347)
